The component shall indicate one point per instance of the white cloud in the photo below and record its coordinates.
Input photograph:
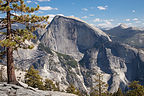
(102, 20)
(135, 19)
(33, 13)
(40, 12)
(138, 22)
(106, 24)
(43, 0)
(85, 9)
(127, 20)
(91, 15)
(96, 20)
(133, 11)
(36, 3)
(84, 17)
(28, 1)
(47, 8)
(51, 16)
(61, 14)
(111, 20)
(129, 24)
(102, 7)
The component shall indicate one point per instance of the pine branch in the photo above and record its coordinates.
(13, 31)
(3, 33)
(3, 28)
(2, 19)
(15, 0)
(3, 25)
(4, 5)
(14, 21)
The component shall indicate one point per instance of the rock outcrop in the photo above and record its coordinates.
(13, 90)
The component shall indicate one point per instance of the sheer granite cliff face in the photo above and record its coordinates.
(72, 37)
(71, 51)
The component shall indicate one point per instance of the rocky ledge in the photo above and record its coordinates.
(14, 90)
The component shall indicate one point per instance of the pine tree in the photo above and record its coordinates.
(58, 87)
(71, 89)
(100, 89)
(135, 89)
(33, 79)
(49, 85)
(118, 93)
(15, 38)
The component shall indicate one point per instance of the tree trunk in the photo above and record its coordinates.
(100, 85)
(10, 64)
(10, 67)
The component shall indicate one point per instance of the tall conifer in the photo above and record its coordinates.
(16, 11)
(100, 89)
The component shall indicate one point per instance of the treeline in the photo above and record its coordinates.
(101, 88)
(33, 79)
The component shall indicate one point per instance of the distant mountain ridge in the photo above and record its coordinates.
(130, 35)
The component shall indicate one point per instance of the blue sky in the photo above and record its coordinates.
(103, 13)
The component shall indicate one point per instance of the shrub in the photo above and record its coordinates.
(33, 79)
(50, 86)
(68, 60)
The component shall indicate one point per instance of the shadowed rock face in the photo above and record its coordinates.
(121, 62)
(85, 52)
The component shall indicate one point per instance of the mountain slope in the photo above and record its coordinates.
(71, 51)
(129, 35)
(119, 63)
(70, 36)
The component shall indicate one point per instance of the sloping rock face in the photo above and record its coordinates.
(58, 67)
(71, 51)
(119, 63)
(72, 37)
(13, 90)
